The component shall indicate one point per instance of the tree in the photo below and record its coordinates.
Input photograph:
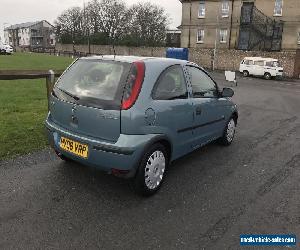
(112, 22)
(92, 13)
(109, 17)
(148, 25)
(69, 25)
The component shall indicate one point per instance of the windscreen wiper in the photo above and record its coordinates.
(76, 98)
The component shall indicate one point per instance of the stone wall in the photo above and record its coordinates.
(225, 59)
(230, 59)
(120, 50)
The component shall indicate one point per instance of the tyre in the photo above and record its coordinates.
(245, 73)
(229, 132)
(267, 76)
(151, 171)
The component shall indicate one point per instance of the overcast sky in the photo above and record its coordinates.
(19, 11)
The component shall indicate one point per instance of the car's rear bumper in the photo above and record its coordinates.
(123, 155)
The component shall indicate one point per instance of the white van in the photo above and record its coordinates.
(259, 66)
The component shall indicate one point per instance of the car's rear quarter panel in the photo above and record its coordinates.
(136, 120)
(133, 120)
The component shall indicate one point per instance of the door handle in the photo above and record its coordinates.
(198, 110)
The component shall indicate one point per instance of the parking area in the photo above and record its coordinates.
(209, 197)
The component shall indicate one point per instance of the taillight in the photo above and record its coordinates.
(133, 85)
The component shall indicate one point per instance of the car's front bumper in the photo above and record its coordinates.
(123, 155)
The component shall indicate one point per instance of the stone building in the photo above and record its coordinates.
(30, 35)
(270, 25)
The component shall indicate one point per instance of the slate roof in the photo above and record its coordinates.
(24, 25)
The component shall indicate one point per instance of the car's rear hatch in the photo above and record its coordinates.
(87, 98)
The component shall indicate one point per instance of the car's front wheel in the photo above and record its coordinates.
(229, 132)
(267, 76)
(151, 171)
(245, 73)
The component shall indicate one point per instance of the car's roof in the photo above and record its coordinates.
(131, 59)
(253, 58)
(260, 58)
(270, 59)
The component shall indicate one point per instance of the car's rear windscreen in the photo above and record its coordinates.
(97, 83)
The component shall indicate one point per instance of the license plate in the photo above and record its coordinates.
(74, 147)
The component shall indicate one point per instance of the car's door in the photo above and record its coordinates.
(271, 68)
(173, 109)
(259, 68)
(209, 117)
(248, 65)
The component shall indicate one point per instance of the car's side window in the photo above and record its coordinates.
(269, 64)
(203, 86)
(259, 63)
(171, 85)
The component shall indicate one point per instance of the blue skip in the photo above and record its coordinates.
(178, 53)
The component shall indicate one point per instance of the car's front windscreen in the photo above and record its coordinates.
(93, 82)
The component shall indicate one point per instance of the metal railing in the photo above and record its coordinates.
(258, 31)
(32, 74)
(54, 52)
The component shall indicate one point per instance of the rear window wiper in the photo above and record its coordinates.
(76, 98)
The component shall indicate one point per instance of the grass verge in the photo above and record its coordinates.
(23, 104)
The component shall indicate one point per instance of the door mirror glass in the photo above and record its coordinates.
(227, 92)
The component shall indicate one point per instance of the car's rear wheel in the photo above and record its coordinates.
(151, 171)
(267, 76)
(229, 132)
(245, 73)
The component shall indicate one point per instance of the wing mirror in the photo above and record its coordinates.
(227, 92)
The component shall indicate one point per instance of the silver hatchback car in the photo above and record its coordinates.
(133, 116)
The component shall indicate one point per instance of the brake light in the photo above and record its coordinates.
(133, 85)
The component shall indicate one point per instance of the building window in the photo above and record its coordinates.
(201, 12)
(223, 35)
(225, 8)
(278, 8)
(200, 36)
